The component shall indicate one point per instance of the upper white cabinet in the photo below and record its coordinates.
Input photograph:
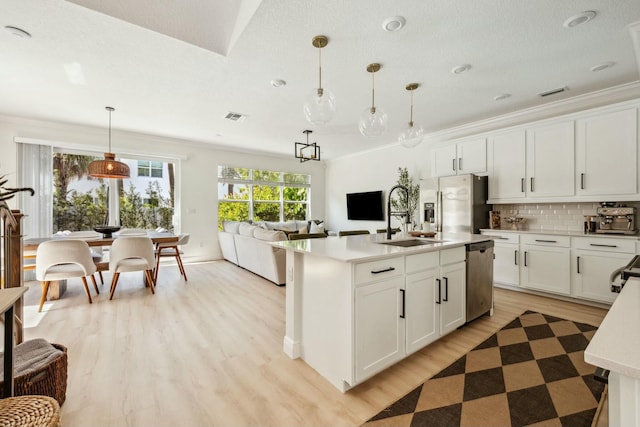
(469, 156)
(506, 156)
(550, 160)
(607, 154)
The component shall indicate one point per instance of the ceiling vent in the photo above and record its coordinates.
(553, 91)
(235, 117)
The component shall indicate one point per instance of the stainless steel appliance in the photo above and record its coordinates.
(455, 204)
(616, 220)
(479, 279)
(632, 269)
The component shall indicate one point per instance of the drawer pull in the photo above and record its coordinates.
(603, 246)
(382, 271)
(546, 241)
(497, 237)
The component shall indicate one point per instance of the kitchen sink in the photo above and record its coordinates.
(412, 242)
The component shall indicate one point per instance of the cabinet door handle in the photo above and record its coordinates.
(525, 259)
(459, 163)
(497, 237)
(532, 190)
(546, 241)
(382, 271)
(446, 289)
(578, 265)
(522, 185)
(515, 257)
(453, 164)
(582, 181)
(403, 306)
(439, 291)
(603, 246)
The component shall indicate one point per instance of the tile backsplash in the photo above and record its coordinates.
(551, 216)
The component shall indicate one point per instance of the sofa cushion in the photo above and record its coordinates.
(246, 229)
(284, 226)
(232, 226)
(269, 235)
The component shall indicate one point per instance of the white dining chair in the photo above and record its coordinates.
(62, 260)
(171, 249)
(131, 232)
(132, 253)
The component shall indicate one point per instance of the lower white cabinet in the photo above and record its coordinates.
(399, 315)
(545, 263)
(506, 268)
(379, 327)
(594, 259)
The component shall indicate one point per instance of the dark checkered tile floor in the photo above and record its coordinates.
(530, 373)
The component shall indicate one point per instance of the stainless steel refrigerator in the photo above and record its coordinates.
(455, 204)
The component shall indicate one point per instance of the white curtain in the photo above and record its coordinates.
(36, 171)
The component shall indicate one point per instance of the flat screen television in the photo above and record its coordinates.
(368, 206)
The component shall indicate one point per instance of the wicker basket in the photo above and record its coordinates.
(29, 411)
(50, 380)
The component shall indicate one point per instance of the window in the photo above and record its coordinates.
(150, 169)
(261, 195)
(81, 202)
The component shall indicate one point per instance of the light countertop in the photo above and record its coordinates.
(488, 231)
(616, 344)
(368, 247)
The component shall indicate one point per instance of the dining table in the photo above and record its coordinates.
(56, 289)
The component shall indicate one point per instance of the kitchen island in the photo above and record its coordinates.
(355, 305)
(616, 348)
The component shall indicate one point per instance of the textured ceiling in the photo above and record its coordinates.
(175, 68)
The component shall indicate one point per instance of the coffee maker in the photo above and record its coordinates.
(616, 219)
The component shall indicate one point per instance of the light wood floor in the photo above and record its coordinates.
(209, 352)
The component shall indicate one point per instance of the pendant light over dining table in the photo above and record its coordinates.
(320, 105)
(411, 136)
(109, 167)
(373, 121)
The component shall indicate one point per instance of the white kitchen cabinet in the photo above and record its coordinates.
(550, 160)
(594, 259)
(421, 316)
(379, 327)
(469, 156)
(452, 293)
(506, 162)
(607, 154)
(506, 269)
(545, 263)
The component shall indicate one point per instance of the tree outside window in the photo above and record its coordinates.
(261, 195)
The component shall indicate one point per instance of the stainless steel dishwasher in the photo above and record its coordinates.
(479, 279)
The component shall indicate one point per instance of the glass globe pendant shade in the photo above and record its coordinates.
(411, 136)
(373, 122)
(320, 106)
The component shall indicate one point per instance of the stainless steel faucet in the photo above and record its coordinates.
(389, 213)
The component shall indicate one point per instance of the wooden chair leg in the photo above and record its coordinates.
(43, 296)
(114, 282)
(181, 266)
(101, 278)
(150, 280)
(155, 273)
(95, 285)
(86, 288)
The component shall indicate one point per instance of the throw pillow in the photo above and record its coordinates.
(303, 230)
(287, 232)
(316, 228)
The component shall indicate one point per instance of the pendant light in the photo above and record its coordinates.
(320, 105)
(373, 121)
(109, 167)
(411, 136)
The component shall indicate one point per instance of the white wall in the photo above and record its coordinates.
(369, 171)
(196, 179)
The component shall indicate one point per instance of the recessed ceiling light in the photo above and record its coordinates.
(459, 69)
(578, 19)
(278, 83)
(602, 66)
(393, 23)
(501, 96)
(19, 32)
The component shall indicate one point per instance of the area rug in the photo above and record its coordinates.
(531, 372)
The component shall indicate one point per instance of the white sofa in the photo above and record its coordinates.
(247, 245)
